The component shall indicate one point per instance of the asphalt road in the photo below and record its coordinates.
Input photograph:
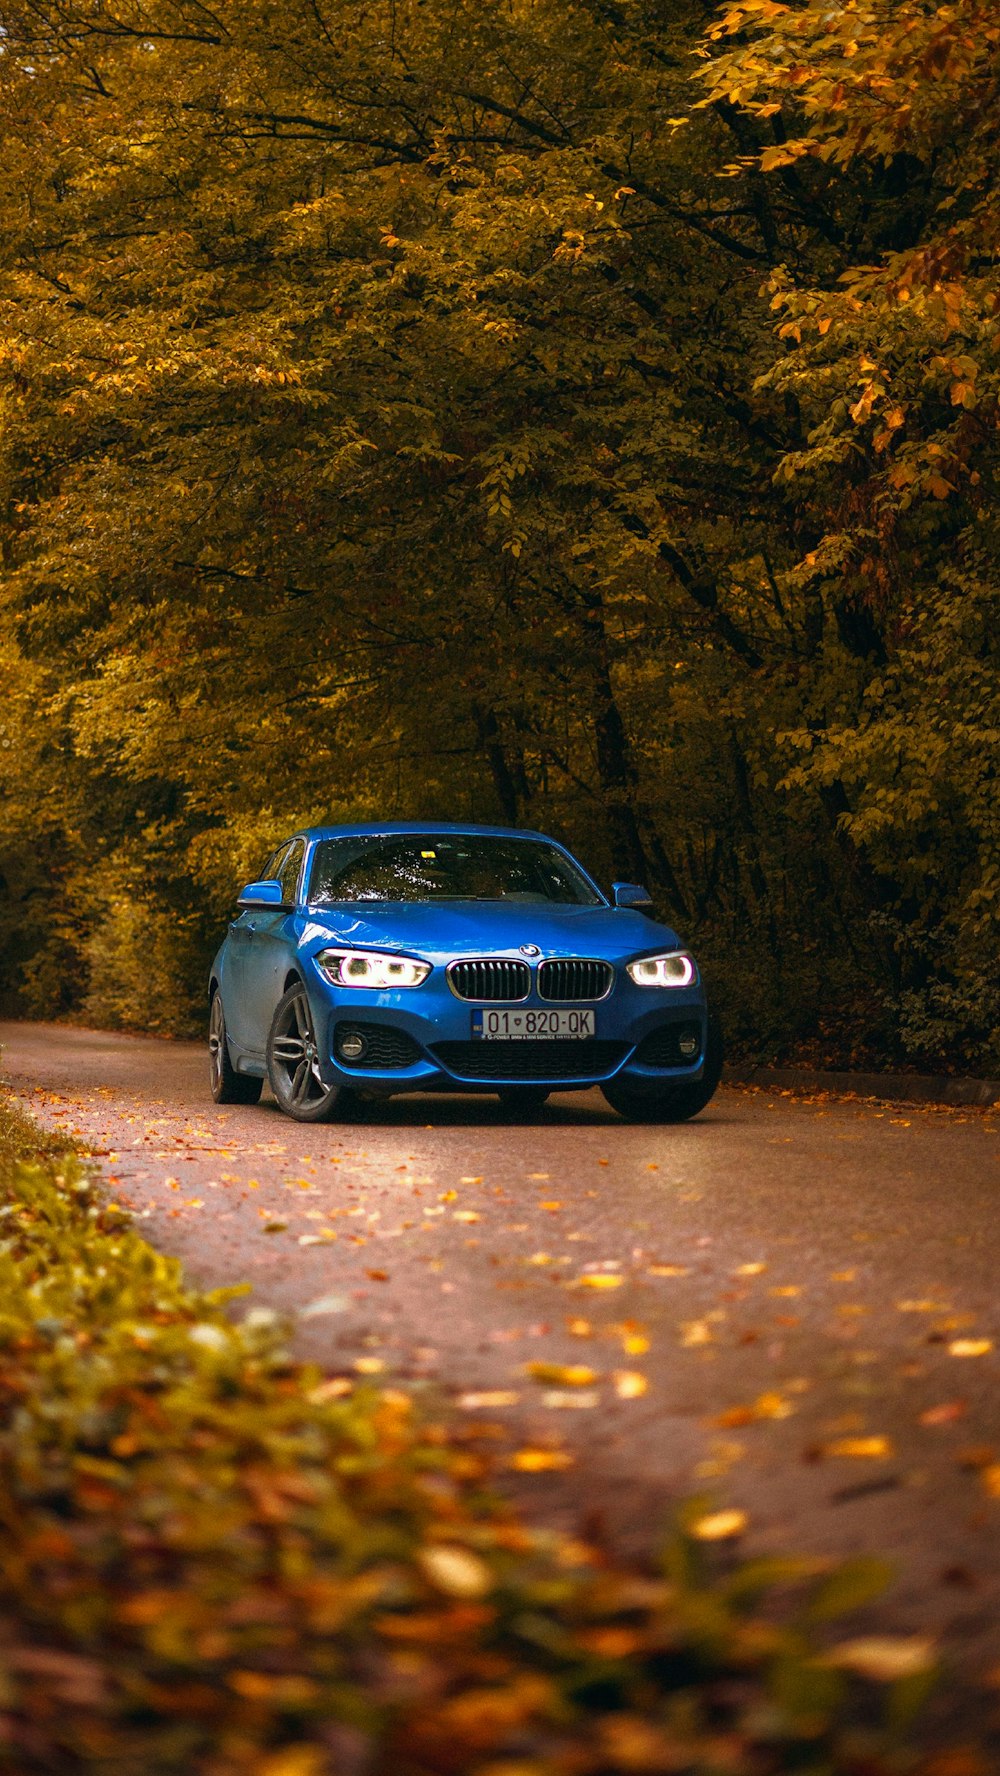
(790, 1305)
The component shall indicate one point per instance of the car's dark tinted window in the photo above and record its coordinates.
(288, 871)
(445, 866)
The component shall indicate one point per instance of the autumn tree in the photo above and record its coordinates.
(394, 423)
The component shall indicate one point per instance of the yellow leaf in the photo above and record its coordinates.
(862, 1448)
(883, 1658)
(669, 1270)
(718, 1526)
(970, 1347)
(293, 1760)
(369, 1365)
(630, 1383)
(695, 1332)
(765, 1406)
(331, 1390)
(597, 1280)
(489, 1400)
(455, 1571)
(540, 1461)
(749, 1270)
(562, 1374)
(465, 1215)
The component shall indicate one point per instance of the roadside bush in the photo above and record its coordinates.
(142, 967)
(217, 1562)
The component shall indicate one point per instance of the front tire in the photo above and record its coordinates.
(293, 1062)
(226, 1085)
(669, 1102)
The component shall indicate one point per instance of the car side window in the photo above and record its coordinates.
(289, 867)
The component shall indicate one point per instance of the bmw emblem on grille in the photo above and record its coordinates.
(530, 950)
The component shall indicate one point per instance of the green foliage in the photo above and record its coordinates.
(217, 1562)
(394, 422)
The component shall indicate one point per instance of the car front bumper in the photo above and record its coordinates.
(420, 1039)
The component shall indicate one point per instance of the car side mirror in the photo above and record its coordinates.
(629, 894)
(261, 894)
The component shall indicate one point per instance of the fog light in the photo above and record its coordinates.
(688, 1046)
(351, 1045)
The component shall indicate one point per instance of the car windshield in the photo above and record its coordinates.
(445, 866)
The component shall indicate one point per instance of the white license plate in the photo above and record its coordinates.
(528, 1026)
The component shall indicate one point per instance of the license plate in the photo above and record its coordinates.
(528, 1026)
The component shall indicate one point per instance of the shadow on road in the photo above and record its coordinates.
(433, 1110)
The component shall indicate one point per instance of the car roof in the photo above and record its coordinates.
(387, 828)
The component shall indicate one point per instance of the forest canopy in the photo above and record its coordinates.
(580, 414)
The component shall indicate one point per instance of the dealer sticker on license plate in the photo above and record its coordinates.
(525, 1026)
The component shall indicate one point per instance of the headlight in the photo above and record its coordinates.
(371, 968)
(674, 970)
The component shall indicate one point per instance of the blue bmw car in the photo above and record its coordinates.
(401, 957)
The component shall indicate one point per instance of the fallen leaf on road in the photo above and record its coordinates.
(369, 1365)
(943, 1414)
(540, 1258)
(377, 1276)
(465, 1215)
(629, 1383)
(489, 1400)
(274, 1226)
(921, 1307)
(787, 1289)
(695, 1332)
(991, 1480)
(970, 1347)
(883, 1658)
(323, 1304)
(580, 1328)
(563, 1399)
(550, 1206)
(858, 1448)
(669, 1270)
(539, 1177)
(597, 1281)
(718, 1526)
(540, 1461)
(562, 1374)
(334, 1389)
(749, 1270)
(765, 1406)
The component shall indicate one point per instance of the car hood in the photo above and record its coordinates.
(442, 930)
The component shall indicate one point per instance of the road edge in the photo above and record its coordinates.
(904, 1088)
